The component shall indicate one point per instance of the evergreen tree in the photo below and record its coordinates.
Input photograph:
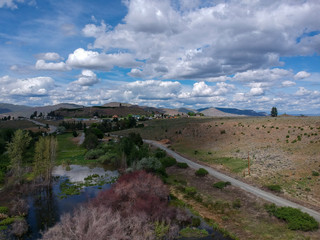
(274, 112)
(16, 150)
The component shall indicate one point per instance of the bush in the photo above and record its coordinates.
(75, 134)
(274, 187)
(150, 164)
(195, 222)
(19, 207)
(19, 227)
(94, 154)
(7, 221)
(182, 165)
(221, 184)
(296, 219)
(2, 177)
(236, 204)
(4, 210)
(168, 161)
(223, 132)
(159, 153)
(190, 191)
(201, 172)
(315, 173)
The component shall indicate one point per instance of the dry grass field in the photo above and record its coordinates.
(283, 151)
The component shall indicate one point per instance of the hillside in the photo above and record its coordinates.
(7, 107)
(101, 111)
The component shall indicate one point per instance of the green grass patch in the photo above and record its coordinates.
(70, 152)
(193, 233)
(235, 165)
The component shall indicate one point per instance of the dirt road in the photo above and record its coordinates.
(246, 187)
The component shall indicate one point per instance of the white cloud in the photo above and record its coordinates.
(53, 66)
(303, 92)
(49, 56)
(87, 78)
(38, 86)
(193, 40)
(9, 3)
(262, 75)
(288, 83)
(302, 75)
(256, 91)
(81, 58)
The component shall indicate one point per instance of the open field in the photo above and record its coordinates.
(236, 211)
(283, 151)
(17, 124)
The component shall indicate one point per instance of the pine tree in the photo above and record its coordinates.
(274, 112)
(16, 150)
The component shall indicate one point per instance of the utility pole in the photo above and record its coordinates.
(248, 164)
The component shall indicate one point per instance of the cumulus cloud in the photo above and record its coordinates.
(49, 56)
(192, 40)
(38, 86)
(288, 83)
(87, 78)
(81, 58)
(53, 66)
(302, 75)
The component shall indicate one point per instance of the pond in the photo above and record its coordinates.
(46, 205)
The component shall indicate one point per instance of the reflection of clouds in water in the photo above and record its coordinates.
(78, 173)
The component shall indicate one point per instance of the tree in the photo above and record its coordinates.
(44, 157)
(274, 112)
(16, 150)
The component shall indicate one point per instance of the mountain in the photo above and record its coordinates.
(242, 112)
(214, 112)
(116, 104)
(7, 108)
(25, 111)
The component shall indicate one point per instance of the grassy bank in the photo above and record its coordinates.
(70, 152)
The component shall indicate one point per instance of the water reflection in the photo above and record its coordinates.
(77, 173)
(45, 205)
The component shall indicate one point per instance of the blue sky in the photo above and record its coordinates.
(170, 53)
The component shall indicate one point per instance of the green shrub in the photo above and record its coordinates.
(182, 165)
(223, 132)
(4, 210)
(193, 233)
(159, 153)
(7, 221)
(274, 187)
(94, 154)
(195, 222)
(296, 219)
(190, 191)
(2, 177)
(201, 172)
(168, 161)
(236, 204)
(315, 173)
(221, 184)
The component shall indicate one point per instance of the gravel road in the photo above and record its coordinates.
(246, 187)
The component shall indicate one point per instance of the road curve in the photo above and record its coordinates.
(246, 187)
(51, 127)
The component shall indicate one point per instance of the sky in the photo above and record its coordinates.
(246, 54)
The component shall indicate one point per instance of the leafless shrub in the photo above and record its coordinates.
(19, 207)
(3, 216)
(19, 227)
(99, 224)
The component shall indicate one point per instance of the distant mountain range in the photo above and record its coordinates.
(117, 108)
